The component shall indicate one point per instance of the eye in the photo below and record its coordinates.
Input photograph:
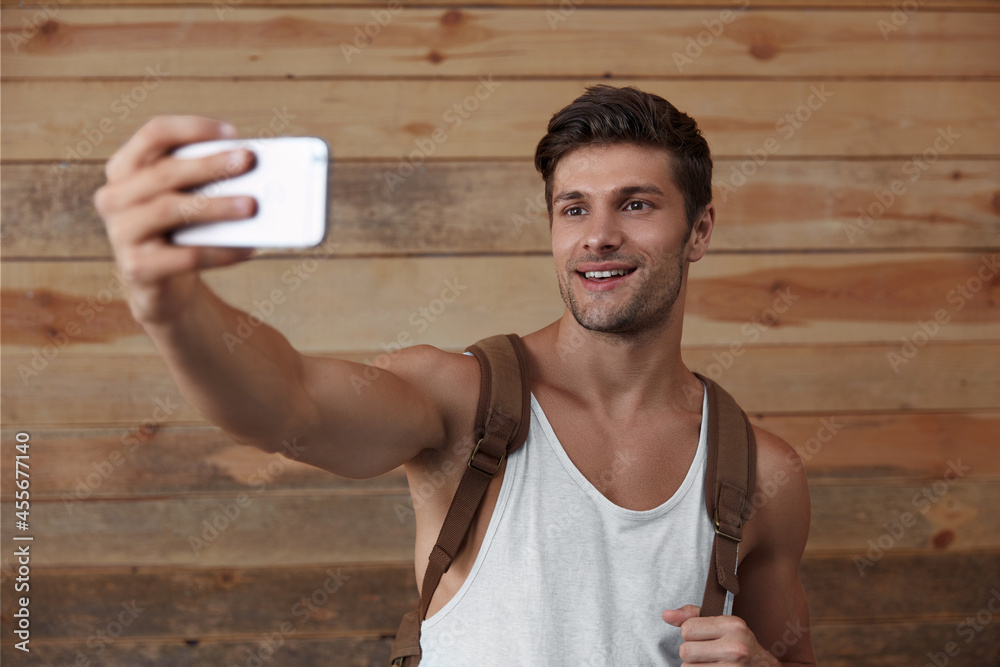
(636, 205)
(574, 211)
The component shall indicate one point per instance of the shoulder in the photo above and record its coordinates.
(449, 380)
(780, 510)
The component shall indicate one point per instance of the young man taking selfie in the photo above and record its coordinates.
(592, 544)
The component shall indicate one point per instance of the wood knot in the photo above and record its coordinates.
(452, 17)
(763, 50)
(956, 175)
(435, 57)
(943, 539)
(49, 28)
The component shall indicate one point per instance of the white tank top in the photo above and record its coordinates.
(566, 577)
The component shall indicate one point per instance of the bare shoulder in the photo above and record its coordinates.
(450, 380)
(780, 516)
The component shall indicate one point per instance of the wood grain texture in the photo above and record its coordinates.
(257, 528)
(506, 42)
(252, 528)
(352, 304)
(957, 5)
(498, 207)
(890, 447)
(179, 652)
(200, 614)
(848, 118)
(184, 461)
(206, 603)
(126, 390)
(169, 462)
(216, 603)
(839, 645)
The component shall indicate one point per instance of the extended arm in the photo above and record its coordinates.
(262, 392)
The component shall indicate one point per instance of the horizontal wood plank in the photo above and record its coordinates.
(209, 605)
(205, 603)
(174, 461)
(260, 528)
(247, 528)
(890, 447)
(494, 207)
(127, 390)
(840, 645)
(332, 304)
(281, 42)
(505, 119)
(335, 652)
(80, 464)
(954, 5)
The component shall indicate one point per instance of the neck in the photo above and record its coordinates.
(618, 373)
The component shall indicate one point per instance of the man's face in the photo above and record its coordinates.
(615, 209)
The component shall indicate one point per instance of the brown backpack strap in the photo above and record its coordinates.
(502, 420)
(730, 478)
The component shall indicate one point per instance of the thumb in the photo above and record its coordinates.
(678, 616)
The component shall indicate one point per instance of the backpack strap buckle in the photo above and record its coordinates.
(735, 538)
(486, 466)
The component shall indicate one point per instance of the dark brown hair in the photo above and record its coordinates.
(609, 115)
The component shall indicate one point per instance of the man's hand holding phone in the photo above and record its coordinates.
(159, 197)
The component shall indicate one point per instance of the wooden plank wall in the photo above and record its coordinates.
(858, 187)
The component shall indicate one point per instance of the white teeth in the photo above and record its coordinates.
(606, 274)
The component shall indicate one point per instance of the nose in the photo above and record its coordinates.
(602, 233)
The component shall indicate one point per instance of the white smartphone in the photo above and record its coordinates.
(289, 182)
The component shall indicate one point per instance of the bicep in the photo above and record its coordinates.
(366, 420)
(772, 600)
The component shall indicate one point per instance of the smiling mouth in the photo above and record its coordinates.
(604, 275)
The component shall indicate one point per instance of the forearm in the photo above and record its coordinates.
(252, 388)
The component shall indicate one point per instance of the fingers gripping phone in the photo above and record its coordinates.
(289, 182)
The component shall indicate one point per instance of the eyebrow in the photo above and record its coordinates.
(619, 193)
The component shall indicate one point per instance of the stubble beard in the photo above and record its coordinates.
(650, 306)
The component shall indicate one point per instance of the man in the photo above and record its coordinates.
(595, 549)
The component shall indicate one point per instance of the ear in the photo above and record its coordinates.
(701, 234)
